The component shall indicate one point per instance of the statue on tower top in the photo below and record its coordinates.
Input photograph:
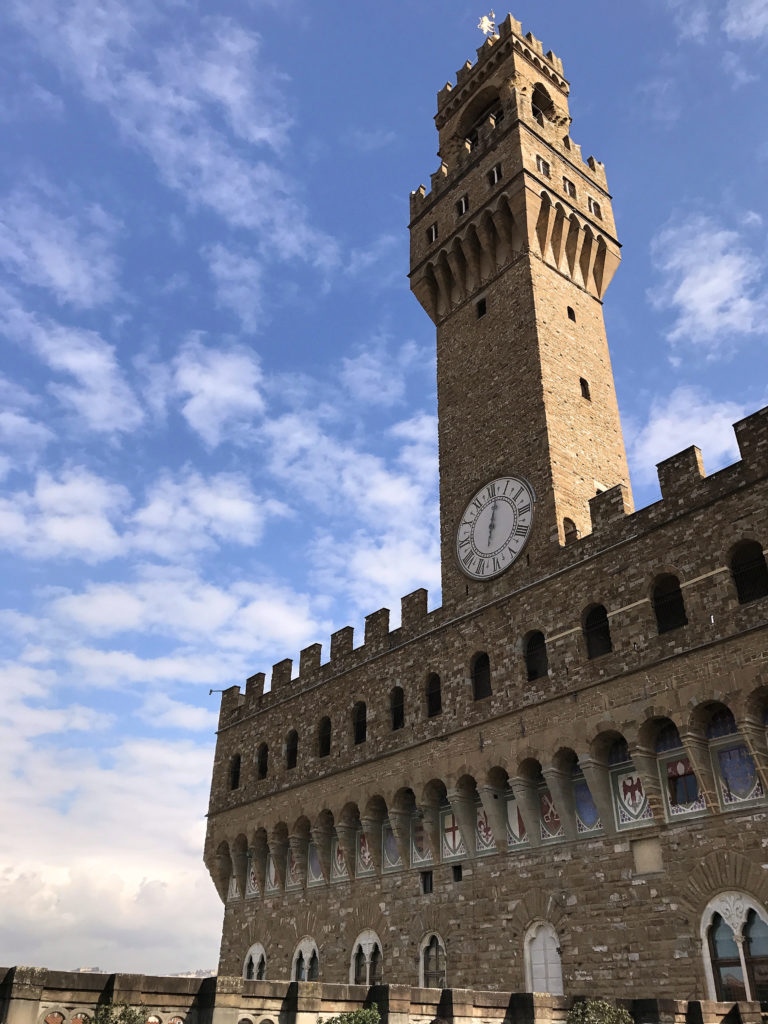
(487, 24)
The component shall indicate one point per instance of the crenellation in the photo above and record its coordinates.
(463, 73)
(752, 439)
(610, 507)
(232, 699)
(679, 474)
(376, 631)
(254, 687)
(342, 643)
(281, 675)
(309, 662)
(413, 611)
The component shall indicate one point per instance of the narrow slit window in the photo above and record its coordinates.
(569, 188)
(494, 175)
(585, 392)
(234, 772)
(594, 208)
(571, 313)
(432, 233)
(481, 308)
(462, 206)
(426, 882)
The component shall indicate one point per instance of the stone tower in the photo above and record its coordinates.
(511, 254)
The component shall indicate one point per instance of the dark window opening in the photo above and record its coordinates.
(597, 632)
(301, 974)
(494, 175)
(569, 188)
(360, 967)
(457, 872)
(374, 966)
(324, 738)
(481, 308)
(250, 970)
(434, 696)
(234, 772)
(726, 962)
(668, 604)
(313, 970)
(683, 789)
(585, 392)
(570, 530)
(397, 708)
(434, 964)
(462, 206)
(594, 209)
(749, 571)
(668, 738)
(571, 314)
(426, 882)
(536, 660)
(481, 677)
(432, 233)
(262, 761)
(359, 723)
(261, 971)
(618, 752)
(543, 167)
(291, 749)
(756, 956)
(721, 723)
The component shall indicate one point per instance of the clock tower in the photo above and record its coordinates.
(511, 253)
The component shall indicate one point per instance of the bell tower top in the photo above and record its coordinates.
(512, 251)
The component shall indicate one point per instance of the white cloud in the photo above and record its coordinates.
(162, 712)
(81, 515)
(368, 140)
(735, 67)
(238, 280)
(712, 283)
(746, 19)
(169, 100)
(692, 18)
(97, 392)
(220, 390)
(19, 432)
(59, 244)
(691, 414)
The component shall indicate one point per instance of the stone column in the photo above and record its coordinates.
(527, 795)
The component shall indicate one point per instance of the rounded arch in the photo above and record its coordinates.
(262, 761)
(397, 708)
(535, 654)
(749, 571)
(433, 961)
(365, 963)
(729, 918)
(434, 695)
(255, 963)
(305, 963)
(667, 602)
(541, 103)
(324, 737)
(486, 103)
(543, 963)
(480, 675)
(359, 722)
(291, 749)
(597, 631)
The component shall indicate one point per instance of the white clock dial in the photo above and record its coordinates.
(495, 527)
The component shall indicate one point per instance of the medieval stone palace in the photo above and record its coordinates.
(557, 781)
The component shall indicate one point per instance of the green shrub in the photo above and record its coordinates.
(369, 1016)
(118, 1013)
(598, 1011)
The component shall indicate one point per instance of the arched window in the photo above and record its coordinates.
(481, 676)
(749, 571)
(234, 772)
(291, 749)
(734, 929)
(434, 696)
(668, 604)
(543, 966)
(541, 104)
(397, 708)
(359, 723)
(255, 966)
(570, 531)
(682, 793)
(597, 632)
(585, 392)
(262, 761)
(536, 660)
(305, 961)
(324, 737)
(365, 968)
(313, 971)
(737, 777)
(433, 963)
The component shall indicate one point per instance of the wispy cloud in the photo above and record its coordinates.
(712, 282)
(746, 19)
(238, 280)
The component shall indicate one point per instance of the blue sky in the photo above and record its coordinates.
(217, 428)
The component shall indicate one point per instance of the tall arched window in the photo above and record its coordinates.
(365, 968)
(234, 772)
(682, 792)
(433, 963)
(306, 964)
(734, 930)
(262, 761)
(481, 676)
(255, 965)
(543, 966)
(749, 571)
(397, 708)
(434, 696)
(668, 604)
(597, 632)
(359, 722)
(324, 737)
(291, 749)
(536, 660)
(737, 777)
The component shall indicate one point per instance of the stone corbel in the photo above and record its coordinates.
(527, 795)
(372, 832)
(598, 780)
(495, 806)
(561, 788)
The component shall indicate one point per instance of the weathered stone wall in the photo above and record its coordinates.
(28, 995)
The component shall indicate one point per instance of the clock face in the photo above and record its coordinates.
(495, 527)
